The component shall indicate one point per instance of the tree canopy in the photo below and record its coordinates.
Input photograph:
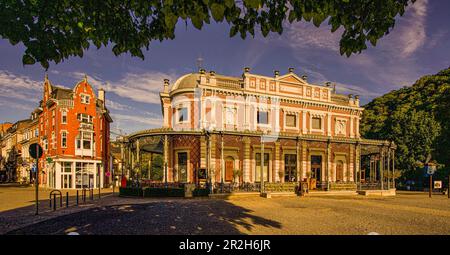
(417, 119)
(56, 30)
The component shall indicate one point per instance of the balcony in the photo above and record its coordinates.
(86, 126)
(66, 103)
(229, 84)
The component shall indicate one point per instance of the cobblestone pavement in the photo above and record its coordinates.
(407, 213)
(17, 205)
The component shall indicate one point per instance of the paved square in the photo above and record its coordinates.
(407, 213)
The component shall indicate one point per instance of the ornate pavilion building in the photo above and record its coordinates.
(256, 129)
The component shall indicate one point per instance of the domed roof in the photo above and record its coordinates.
(187, 81)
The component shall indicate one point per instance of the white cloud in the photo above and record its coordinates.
(132, 123)
(19, 87)
(143, 87)
(15, 105)
(306, 35)
(409, 33)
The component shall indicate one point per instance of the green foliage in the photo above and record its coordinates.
(157, 170)
(65, 28)
(417, 119)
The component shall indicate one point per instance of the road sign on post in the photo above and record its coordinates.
(36, 152)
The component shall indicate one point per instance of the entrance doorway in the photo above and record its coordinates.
(339, 171)
(182, 166)
(265, 169)
(229, 167)
(316, 167)
(290, 168)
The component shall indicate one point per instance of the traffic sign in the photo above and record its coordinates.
(431, 169)
(438, 184)
(33, 168)
(35, 151)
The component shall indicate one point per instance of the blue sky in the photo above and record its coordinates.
(418, 45)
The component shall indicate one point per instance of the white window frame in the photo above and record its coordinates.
(85, 99)
(63, 114)
(269, 115)
(322, 122)
(297, 125)
(64, 132)
(178, 114)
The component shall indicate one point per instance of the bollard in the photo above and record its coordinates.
(92, 194)
(54, 202)
(67, 199)
(84, 196)
(77, 197)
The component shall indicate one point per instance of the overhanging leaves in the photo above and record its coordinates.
(65, 28)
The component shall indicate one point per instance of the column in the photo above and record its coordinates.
(203, 151)
(352, 133)
(299, 173)
(95, 173)
(304, 159)
(73, 173)
(166, 159)
(351, 165)
(328, 124)
(388, 168)
(58, 184)
(213, 166)
(277, 161)
(262, 165)
(382, 167)
(304, 122)
(357, 170)
(246, 113)
(149, 172)
(393, 168)
(138, 156)
(222, 160)
(328, 164)
(246, 159)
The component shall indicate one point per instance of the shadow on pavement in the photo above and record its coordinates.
(177, 216)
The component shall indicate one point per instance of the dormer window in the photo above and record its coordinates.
(85, 99)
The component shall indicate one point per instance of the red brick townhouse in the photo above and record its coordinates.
(74, 133)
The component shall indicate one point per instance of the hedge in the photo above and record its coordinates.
(200, 192)
(161, 192)
(164, 192)
(134, 192)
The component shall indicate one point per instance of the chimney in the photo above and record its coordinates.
(202, 71)
(328, 84)
(305, 77)
(291, 69)
(246, 69)
(277, 73)
(166, 85)
(212, 73)
(101, 96)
